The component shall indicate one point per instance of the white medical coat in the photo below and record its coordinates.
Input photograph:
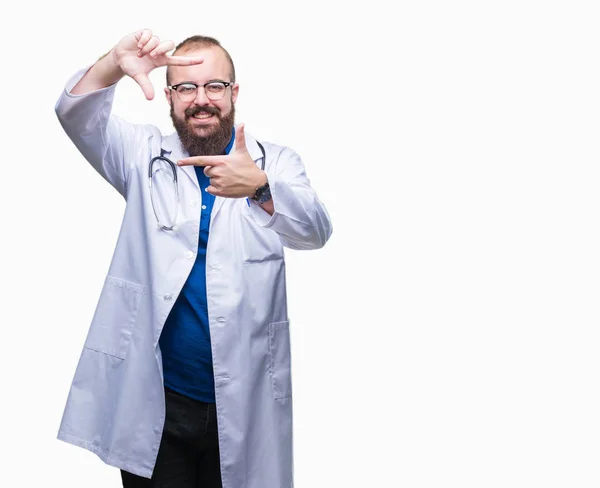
(116, 406)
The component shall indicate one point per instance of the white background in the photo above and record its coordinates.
(447, 335)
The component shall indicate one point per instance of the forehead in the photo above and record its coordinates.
(215, 66)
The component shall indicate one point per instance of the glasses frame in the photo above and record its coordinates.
(220, 82)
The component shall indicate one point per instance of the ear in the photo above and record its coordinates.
(168, 95)
(234, 92)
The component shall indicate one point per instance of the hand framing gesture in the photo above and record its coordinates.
(139, 53)
(234, 175)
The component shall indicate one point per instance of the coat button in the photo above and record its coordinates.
(189, 255)
(167, 296)
(221, 319)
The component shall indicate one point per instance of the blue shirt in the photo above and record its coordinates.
(185, 339)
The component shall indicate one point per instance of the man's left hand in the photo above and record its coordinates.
(234, 175)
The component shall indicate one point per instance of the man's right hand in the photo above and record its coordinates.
(139, 53)
(136, 55)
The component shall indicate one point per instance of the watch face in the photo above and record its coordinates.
(264, 194)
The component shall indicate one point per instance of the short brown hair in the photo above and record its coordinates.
(195, 42)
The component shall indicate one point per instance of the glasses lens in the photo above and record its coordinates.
(215, 91)
(164, 193)
(187, 92)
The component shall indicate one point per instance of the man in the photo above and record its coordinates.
(184, 379)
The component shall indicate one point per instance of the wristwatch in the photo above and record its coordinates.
(263, 193)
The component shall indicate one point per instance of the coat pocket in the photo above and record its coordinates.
(115, 316)
(280, 359)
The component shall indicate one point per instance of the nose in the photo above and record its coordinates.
(201, 98)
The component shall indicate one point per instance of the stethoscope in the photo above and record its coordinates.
(173, 166)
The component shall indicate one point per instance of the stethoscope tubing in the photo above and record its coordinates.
(162, 157)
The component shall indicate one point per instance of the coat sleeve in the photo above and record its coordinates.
(300, 218)
(107, 142)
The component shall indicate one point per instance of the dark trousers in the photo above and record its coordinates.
(188, 456)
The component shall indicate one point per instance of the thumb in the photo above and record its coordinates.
(240, 139)
(144, 82)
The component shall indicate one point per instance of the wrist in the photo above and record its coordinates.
(262, 195)
(112, 67)
(104, 73)
(260, 180)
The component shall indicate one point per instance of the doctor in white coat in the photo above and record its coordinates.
(261, 202)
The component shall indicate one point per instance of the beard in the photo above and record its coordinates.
(211, 144)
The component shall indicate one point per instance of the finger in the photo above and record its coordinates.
(202, 161)
(150, 45)
(142, 37)
(213, 191)
(209, 171)
(163, 48)
(184, 60)
(240, 139)
(144, 82)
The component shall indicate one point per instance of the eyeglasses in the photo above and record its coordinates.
(189, 91)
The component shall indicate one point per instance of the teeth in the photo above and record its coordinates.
(202, 116)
